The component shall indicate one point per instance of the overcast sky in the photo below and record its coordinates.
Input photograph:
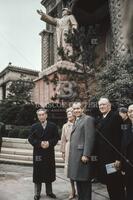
(20, 26)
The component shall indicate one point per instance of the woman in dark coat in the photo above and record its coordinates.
(44, 136)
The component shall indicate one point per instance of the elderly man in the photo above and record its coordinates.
(44, 136)
(81, 148)
(127, 150)
(109, 134)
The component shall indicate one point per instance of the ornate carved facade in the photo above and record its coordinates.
(114, 18)
(117, 22)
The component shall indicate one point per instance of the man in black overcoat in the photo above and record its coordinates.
(43, 137)
(109, 128)
(127, 150)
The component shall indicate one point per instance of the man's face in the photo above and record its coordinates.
(123, 115)
(77, 110)
(130, 113)
(42, 116)
(104, 106)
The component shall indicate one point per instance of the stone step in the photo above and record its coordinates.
(16, 143)
(21, 143)
(24, 162)
(16, 157)
(26, 158)
(19, 151)
(28, 152)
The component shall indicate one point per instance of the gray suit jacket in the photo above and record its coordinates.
(81, 143)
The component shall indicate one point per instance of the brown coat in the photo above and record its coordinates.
(65, 141)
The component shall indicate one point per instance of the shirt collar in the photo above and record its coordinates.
(105, 114)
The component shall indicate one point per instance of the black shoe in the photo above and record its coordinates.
(53, 196)
(36, 197)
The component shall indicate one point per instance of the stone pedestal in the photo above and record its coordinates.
(44, 90)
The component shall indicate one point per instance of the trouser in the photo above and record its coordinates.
(38, 188)
(129, 192)
(115, 186)
(84, 190)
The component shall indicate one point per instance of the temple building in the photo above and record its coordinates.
(12, 73)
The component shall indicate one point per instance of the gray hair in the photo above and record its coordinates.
(104, 99)
(130, 107)
(42, 109)
(78, 103)
(69, 110)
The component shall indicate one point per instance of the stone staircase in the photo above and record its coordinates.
(19, 151)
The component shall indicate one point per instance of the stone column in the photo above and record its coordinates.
(119, 40)
(47, 49)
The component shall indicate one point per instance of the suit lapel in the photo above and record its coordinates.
(75, 126)
(42, 130)
(46, 128)
(104, 121)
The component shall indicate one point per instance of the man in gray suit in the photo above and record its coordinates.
(81, 147)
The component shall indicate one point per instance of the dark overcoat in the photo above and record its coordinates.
(81, 144)
(127, 150)
(43, 159)
(110, 128)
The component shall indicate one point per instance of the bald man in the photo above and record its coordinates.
(109, 128)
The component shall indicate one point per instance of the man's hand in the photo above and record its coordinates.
(40, 12)
(84, 159)
(117, 165)
(44, 144)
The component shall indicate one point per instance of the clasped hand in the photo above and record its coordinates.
(44, 144)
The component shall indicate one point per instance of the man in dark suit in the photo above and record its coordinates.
(81, 148)
(43, 137)
(127, 150)
(109, 129)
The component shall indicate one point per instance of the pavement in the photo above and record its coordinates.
(16, 184)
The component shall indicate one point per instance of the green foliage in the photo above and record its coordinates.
(26, 115)
(116, 83)
(83, 42)
(13, 133)
(24, 132)
(8, 112)
(17, 108)
(19, 132)
(17, 114)
(20, 91)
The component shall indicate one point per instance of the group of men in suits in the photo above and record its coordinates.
(107, 137)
